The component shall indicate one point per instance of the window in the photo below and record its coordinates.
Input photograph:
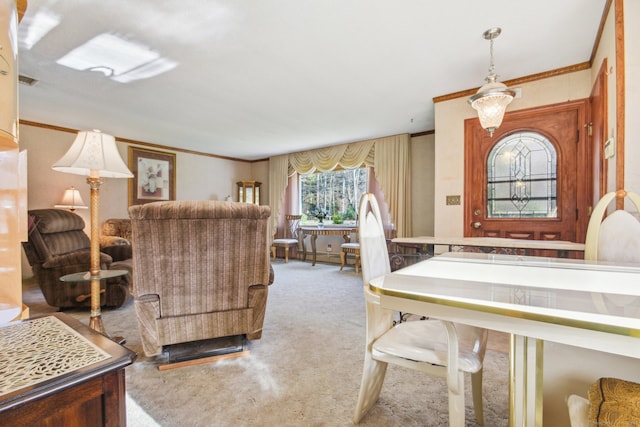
(522, 177)
(332, 196)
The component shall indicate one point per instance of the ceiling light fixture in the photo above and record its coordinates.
(492, 98)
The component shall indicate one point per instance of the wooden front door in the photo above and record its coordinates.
(496, 205)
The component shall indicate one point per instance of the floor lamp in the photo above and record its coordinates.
(95, 155)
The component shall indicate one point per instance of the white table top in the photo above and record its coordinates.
(522, 295)
(493, 242)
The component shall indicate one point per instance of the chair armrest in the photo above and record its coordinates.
(147, 312)
(118, 252)
(271, 274)
(79, 258)
(113, 241)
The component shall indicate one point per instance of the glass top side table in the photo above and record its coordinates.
(95, 320)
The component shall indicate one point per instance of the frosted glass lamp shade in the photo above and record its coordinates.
(72, 200)
(95, 154)
(491, 102)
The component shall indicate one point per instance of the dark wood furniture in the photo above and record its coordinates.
(90, 395)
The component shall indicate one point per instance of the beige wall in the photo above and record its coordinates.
(607, 49)
(197, 177)
(632, 95)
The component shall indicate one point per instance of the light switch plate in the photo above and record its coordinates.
(453, 200)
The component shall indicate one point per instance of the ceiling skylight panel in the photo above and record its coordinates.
(33, 28)
(120, 59)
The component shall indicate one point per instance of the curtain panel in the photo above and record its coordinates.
(392, 167)
(278, 179)
(389, 157)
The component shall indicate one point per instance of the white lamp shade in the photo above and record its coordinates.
(93, 153)
(71, 199)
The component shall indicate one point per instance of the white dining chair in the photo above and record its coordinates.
(435, 347)
(616, 238)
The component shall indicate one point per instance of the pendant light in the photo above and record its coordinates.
(492, 98)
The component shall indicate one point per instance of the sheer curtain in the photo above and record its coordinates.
(389, 157)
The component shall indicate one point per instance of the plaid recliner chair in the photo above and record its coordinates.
(58, 246)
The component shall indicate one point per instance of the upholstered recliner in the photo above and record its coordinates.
(58, 246)
(201, 271)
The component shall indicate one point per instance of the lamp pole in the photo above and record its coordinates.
(95, 319)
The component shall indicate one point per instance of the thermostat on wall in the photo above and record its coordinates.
(609, 148)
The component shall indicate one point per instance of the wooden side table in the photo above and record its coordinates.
(68, 374)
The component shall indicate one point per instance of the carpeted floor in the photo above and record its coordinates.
(305, 371)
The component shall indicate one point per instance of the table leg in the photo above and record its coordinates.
(525, 381)
(314, 237)
(304, 247)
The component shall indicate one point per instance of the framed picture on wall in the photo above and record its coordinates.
(154, 176)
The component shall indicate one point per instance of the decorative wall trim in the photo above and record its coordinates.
(141, 143)
(520, 80)
(620, 100)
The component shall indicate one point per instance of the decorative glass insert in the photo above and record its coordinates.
(522, 177)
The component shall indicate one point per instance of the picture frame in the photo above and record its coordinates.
(154, 176)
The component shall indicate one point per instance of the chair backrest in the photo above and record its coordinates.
(199, 256)
(374, 257)
(54, 232)
(117, 227)
(293, 226)
(617, 237)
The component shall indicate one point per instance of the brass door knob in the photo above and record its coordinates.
(476, 225)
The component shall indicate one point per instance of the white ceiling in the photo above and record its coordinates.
(256, 78)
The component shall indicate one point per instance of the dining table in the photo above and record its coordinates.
(426, 245)
(593, 305)
(315, 231)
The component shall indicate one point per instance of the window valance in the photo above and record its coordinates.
(347, 156)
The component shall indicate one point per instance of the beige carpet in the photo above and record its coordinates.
(305, 371)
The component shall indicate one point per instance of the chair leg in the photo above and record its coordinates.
(273, 252)
(357, 261)
(343, 260)
(286, 254)
(456, 404)
(372, 379)
(476, 391)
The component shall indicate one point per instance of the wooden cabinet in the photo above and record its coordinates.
(83, 396)
(249, 192)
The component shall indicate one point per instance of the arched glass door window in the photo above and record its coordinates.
(522, 177)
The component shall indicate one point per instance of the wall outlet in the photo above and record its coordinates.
(329, 249)
(453, 200)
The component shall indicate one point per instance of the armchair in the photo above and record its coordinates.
(201, 270)
(58, 246)
(115, 238)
